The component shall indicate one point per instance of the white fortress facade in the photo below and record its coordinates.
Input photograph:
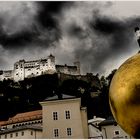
(26, 69)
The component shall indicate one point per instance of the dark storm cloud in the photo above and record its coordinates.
(76, 31)
(44, 30)
(16, 40)
(113, 39)
(72, 29)
(49, 10)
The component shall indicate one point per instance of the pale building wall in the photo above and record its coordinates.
(37, 122)
(19, 71)
(77, 64)
(84, 122)
(31, 72)
(1, 77)
(60, 106)
(94, 133)
(108, 132)
(51, 64)
(6, 75)
(27, 69)
(23, 134)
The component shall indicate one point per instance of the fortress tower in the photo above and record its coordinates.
(51, 63)
(77, 64)
(19, 70)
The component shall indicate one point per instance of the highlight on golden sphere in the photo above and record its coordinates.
(124, 96)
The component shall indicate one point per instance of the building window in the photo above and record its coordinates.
(16, 134)
(5, 136)
(67, 113)
(31, 132)
(69, 132)
(117, 132)
(22, 133)
(55, 116)
(56, 133)
(16, 66)
(11, 135)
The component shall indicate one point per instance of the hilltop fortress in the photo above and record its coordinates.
(26, 69)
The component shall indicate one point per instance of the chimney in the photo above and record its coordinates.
(137, 33)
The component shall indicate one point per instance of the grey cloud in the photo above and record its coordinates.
(74, 30)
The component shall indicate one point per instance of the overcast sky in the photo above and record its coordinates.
(100, 34)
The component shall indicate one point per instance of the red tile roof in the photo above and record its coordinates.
(23, 117)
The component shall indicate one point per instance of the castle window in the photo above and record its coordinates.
(22, 133)
(69, 132)
(67, 113)
(31, 132)
(56, 133)
(116, 132)
(11, 135)
(16, 134)
(55, 115)
(29, 69)
(16, 66)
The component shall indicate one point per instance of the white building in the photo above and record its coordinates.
(23, 132)
(25, 69)
(93, 125)
(111, 130)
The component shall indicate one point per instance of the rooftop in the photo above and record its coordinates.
(22, 117)
(96, 119)
(21, 128)
(56, 97)
(109, 121)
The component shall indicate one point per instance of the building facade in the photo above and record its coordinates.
(93, 125)
(26, 125)
(111, 130)
(64, 118)
(26, 69)
(23, 132)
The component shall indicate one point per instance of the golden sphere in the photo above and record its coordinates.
(124, 96)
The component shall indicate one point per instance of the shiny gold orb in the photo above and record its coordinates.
(124, 96)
